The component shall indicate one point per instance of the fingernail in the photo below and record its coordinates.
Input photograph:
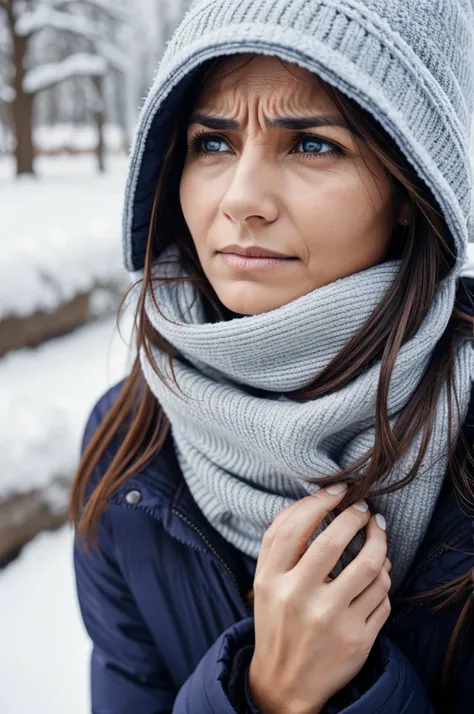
(381, 522)
(336, 488)
(361, 506)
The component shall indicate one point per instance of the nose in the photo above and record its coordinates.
(252, 192)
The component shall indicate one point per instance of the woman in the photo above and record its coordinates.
(273, 507)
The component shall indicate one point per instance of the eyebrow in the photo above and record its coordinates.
(295, 123)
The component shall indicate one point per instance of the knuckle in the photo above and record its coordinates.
(281, 515)
(387, 606)
(357, 515)
(386, 580)
(370, 567)
(260, 586)
(328, 544)
(355, 519)
(287, 531)
(270, 532)
(287, 598)
(276, 521)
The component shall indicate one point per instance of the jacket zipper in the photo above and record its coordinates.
(432, 555)
(226, 567)
(410, 607)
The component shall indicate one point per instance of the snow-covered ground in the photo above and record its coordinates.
(66, 137)
(60, 233)
(44, 650)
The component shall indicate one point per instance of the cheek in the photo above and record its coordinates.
(199, 205)
(346, 211)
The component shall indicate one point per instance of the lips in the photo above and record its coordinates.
(254, 252)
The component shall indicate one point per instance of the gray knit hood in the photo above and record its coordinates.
(408, 62)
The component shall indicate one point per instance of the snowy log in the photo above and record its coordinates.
(24, 515)
(80, 64)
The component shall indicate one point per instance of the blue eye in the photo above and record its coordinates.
(212, 144)
(314, 145)
(205, 143)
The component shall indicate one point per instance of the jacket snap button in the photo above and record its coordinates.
(133, 497)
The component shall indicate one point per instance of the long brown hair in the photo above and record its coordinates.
(425, 249)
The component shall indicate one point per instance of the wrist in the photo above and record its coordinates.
(268, 700)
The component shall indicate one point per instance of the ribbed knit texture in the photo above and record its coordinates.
(245, 456)
(243, 448)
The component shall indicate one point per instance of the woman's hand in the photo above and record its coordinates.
(313, 634)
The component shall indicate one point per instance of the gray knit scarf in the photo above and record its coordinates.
(245, 450)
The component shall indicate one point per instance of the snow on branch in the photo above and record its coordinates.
(80, 64)
(43, 16)
(7, 94)
(114, 57)
(108, 7)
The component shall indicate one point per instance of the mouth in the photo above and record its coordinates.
(253, 258)
(246, 262)
(253, 251)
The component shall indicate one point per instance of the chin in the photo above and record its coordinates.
(250, 299)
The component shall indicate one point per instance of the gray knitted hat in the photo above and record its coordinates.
(408, 62)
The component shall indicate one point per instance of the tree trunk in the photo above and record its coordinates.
(99, 119)
(22, 105)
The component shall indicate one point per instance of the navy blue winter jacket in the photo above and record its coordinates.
(163, 602)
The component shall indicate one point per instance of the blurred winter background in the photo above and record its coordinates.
(73, 75)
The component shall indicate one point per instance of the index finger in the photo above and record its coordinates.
(286, 540)
(268, 536)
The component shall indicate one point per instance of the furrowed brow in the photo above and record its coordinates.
(293, 123)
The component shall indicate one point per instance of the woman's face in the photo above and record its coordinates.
(270, 166)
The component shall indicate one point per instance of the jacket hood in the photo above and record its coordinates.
(408, 62)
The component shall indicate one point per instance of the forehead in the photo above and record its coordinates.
(249, 78)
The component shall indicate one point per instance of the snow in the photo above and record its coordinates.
(112, 8)
(65, 137)
(61, 234)
(114, 57)
(44, 657)
(43, 16)
(47, 394)
(79, 64)
(7, 94)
